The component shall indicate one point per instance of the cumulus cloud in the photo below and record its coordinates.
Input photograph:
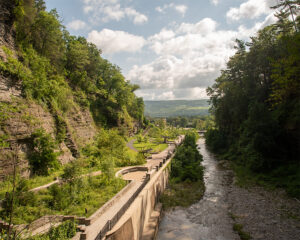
(189, 56)
(76, 25)
(250, 9)
(111, 42)
(137, 17)
(245, 32)
(111, 10)
(180, 8)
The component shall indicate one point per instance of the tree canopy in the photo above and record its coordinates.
(256, 101)
(68, 60)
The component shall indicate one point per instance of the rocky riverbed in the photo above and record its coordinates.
(261, 214)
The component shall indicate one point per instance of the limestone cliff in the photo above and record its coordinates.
(20, 117)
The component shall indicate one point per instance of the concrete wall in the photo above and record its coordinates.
(133, 222)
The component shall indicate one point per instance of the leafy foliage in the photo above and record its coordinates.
(64, 231)
(256, 104)
(186, 162)
(54, 65)
(43, 157)
(186, 184)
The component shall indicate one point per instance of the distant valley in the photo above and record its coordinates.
(175, 108)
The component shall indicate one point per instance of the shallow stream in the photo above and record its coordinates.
(208, 219)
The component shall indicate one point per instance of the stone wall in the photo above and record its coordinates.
(133, 222)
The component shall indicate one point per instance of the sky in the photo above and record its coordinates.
(173, 49)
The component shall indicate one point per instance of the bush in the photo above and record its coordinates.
(64, 231)
(22, 197)
(43, 157)
(186, 162)
(140, 159)
(216, 140)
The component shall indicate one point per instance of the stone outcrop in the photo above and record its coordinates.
(30, 116)
(7, 33)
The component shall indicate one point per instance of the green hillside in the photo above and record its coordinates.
(175, 108)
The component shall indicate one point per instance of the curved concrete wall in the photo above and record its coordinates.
(135, 219)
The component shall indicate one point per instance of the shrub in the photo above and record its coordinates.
(186, 162)
(64, 231)
(42, 158)
(216, 140)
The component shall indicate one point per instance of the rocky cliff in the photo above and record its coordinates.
(19, 117)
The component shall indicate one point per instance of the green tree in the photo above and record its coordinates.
(43, 157)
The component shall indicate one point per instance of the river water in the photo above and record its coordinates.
(207, 219)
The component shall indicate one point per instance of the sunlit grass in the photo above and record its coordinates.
(156, 147)
(94, 192)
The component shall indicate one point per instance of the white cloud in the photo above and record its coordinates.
(172, 94)
(250, 9)
(76, 25)
(159, 9)
(138, 18)
(189, 56)
(245, 32)
(214, 2)
(111, 42)
(179, 8)
(111, 10)
(164, 34)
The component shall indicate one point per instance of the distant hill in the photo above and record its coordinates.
(175, 108)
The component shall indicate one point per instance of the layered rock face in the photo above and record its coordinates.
(27, 116)
(7, 33)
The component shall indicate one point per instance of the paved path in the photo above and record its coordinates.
(59, 180)
(130, 145)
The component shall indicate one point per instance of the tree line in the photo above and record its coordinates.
(256, 103)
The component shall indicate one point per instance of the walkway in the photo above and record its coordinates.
(137, 177)
(93, 230)
(96, 173)
(130, 145)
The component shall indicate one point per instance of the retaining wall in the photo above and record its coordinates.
(134, 220)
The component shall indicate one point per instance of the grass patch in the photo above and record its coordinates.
(36, 181)
(68, 199)
(156, 147)
(239, 229)
(132, 154)
(182, 194)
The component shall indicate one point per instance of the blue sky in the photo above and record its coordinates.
(173, 49)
